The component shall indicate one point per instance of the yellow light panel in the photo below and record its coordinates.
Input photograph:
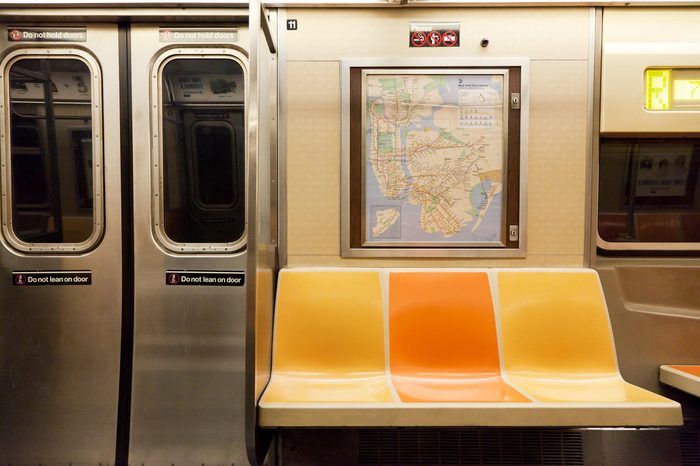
(657, 89)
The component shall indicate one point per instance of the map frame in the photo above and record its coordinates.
(353, 244)
(503, 74)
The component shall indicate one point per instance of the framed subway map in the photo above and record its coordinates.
(434, 158)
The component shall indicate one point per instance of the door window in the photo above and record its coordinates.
(201, 187)
(51, 156)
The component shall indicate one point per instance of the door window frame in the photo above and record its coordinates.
(93, 66)
(157, 152)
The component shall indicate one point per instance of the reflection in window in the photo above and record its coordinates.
(27, 164)
(648, 190)
(213, 164)
(50, 100)
(203, 147)
(82, 150)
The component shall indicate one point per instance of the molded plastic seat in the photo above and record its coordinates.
(558, 345)
(682, 377)
(443, 342)
(329, 339)
(556, 366)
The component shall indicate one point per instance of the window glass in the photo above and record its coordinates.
(203, 144)
(648, 190)
(82, 150)
(215, 180)
(50, 100)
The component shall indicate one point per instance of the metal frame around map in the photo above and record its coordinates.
(447, 248)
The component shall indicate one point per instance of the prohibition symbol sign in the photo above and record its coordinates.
(434, 38)
(418, 39)
(173, 279)
(449, 38)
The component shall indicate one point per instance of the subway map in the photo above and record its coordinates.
(434, 158)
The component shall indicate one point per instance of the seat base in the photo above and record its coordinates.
(469, 414)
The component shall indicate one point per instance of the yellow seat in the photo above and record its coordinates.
(328, 339)
(558, 346)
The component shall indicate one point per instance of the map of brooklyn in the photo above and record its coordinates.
(434, 158)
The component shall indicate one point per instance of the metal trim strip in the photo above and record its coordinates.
(595, 38)
(127, 217)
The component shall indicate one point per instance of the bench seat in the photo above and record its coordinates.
(682, 377)
(443, 345)
(497, 347)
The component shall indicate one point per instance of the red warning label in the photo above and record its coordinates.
(418, 39)
(433, 34)
(449, 38)
(434, 38)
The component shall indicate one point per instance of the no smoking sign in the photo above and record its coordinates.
(418, 39)
(433, 34)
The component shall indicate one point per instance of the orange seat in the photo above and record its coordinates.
(443, 344)
(682, 377)
(692, 370)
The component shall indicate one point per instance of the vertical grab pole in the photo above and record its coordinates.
(262, 231)
(54, 177)
(251, 435)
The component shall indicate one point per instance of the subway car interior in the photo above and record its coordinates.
(355, 232)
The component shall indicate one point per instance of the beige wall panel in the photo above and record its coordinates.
(313, 158)
(535, 260)
(651, 24)
(382, 33)
(557, 137)
(557, 157)
(636, 39)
